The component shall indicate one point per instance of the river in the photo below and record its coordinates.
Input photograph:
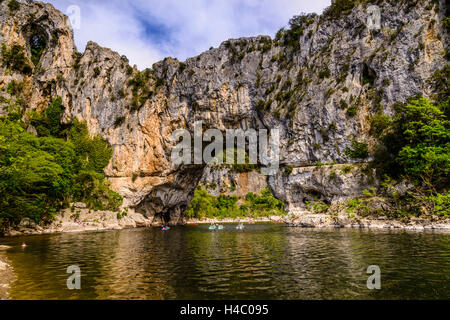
(264, 261)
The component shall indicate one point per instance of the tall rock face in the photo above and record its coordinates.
(318, 86)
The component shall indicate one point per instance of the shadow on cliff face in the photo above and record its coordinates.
(368, 75)
(167, 202)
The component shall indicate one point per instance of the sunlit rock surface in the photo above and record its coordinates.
(304, 90)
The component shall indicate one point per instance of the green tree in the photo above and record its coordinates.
(41, 174)
(48, 122)
(31, 180)
(417, 143)
(202, 205)
(94, 153)
(16, 59)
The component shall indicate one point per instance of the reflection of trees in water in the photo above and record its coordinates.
(413, 263)
(326, 264)
(263, 261)
(123, 264)
(332, 264)
(144, 265)
(41, 267)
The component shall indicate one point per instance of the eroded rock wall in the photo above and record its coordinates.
(304, 88)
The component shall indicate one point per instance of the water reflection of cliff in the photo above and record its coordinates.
(262, 262)
(143, 266)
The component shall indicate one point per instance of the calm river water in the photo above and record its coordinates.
(264, 261)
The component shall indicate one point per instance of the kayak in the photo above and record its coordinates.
(220, 227)
(212, 228)
(240, 227)
(166, 229)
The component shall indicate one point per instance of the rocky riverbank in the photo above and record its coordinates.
(6, 274)
(81, 219)
(344, 220)
(311, 220)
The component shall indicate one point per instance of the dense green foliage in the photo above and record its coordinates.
(415, 146)
(416, 143)
(15, 59)
(40, 175)
(359, 150)
(47, 123)
(425, 155)
(205, 206)
(264, 205)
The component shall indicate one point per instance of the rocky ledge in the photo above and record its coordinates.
(308, 219)
(344, 220)
(79, 219)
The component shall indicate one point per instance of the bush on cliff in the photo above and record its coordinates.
(339, 8)
(13, 5)
(48, 122)
(15, 59)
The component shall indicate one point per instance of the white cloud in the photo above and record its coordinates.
(148, 30)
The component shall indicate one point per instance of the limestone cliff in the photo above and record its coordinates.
(318, 86)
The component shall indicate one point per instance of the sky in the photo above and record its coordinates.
(147, 31)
